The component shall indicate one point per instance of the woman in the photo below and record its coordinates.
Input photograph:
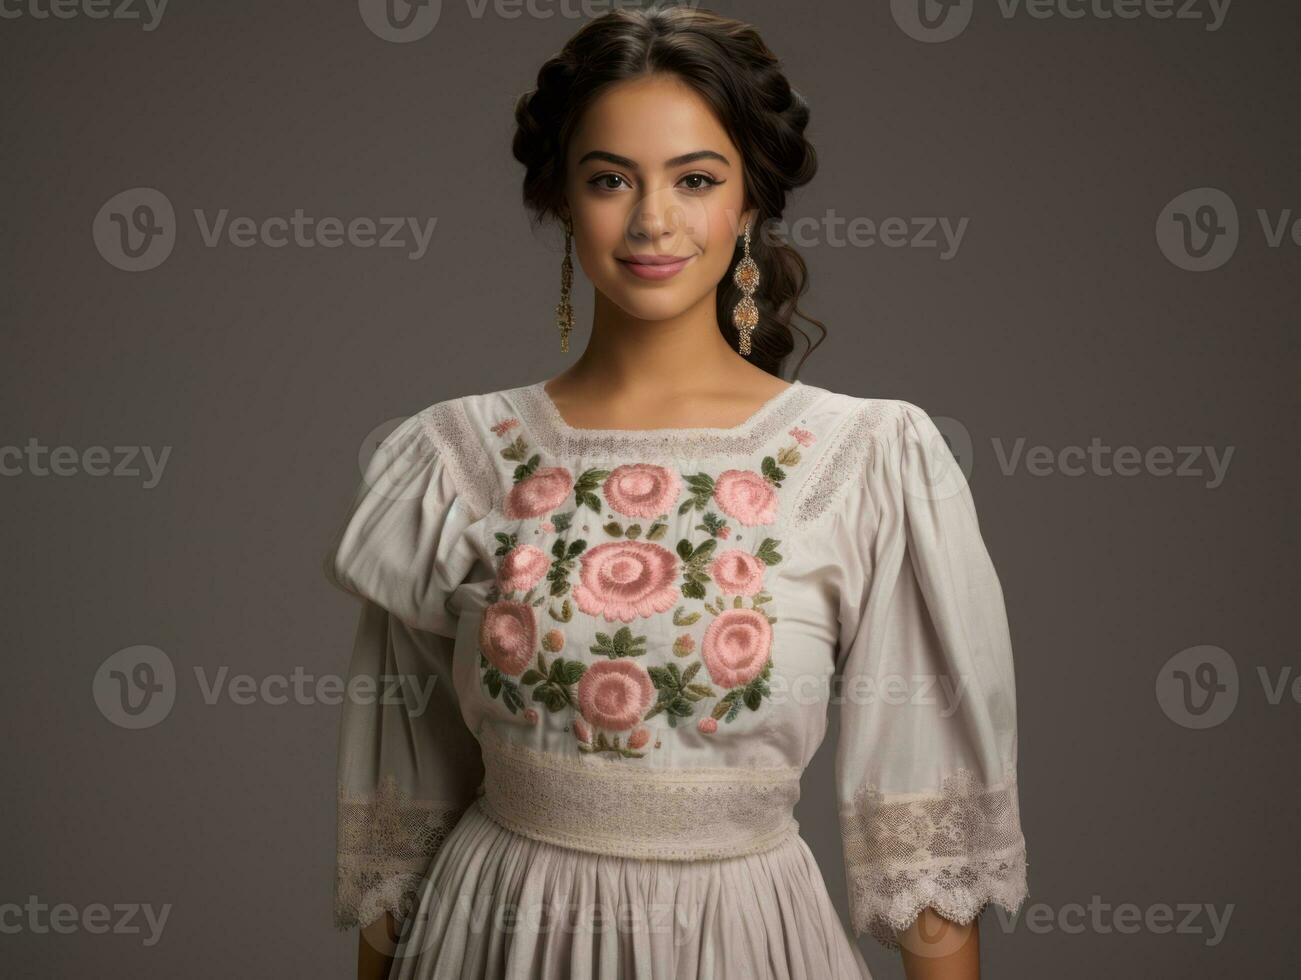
(618, 602)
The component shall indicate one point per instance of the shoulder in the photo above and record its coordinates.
(853, 433)
(459, 432)
(464, 419)
(860, 420)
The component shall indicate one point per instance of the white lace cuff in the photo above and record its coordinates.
(954, 851)
(386, 842)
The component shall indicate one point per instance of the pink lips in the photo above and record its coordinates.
(646, 266)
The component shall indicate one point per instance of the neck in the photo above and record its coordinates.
(634, 354)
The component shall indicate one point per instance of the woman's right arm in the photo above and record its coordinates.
(408, 764)
(376, 943)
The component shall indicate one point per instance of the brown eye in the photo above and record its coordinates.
(707, 182)
(596, 181)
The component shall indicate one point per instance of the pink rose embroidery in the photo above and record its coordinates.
(553, 641)
(522, 568)
(638, 737)
(738, 572)
(505, 425)
(626, 579)
(642, 489)
(507, 635)
(803, 436)
(707, 726)
(736, 646)
(746, 496)
(539, 493)
(614, 694)
(531, 716)
(581, 731)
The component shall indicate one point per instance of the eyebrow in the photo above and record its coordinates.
(672, 162)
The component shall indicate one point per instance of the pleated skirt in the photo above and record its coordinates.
(496, 904)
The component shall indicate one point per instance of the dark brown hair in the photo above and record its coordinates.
(729, 65)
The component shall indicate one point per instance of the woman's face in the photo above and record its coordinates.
(652, 175)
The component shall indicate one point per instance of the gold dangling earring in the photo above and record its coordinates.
(745, 315)
(565, 309)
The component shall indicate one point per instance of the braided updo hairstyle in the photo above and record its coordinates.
(728, 64)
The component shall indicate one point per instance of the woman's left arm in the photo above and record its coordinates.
(927, 752)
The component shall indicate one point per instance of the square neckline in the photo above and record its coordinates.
(557, 420)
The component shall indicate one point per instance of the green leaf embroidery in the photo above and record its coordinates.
(767, 551)
(555, 682)
(683, 618)
(711, 524)
(700, 488)
(603, 744)
(676, 694)
(773, 473)
(622, 644)
(525, 470)
(584, 487)
(516, 451)
(563, 555)
(788, 456)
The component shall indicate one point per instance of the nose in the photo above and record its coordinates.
(656, 216)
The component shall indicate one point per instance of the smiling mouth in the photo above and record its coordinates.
(655, 267)
(655, 259)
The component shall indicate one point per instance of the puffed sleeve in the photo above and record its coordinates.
(408, 765)
(927, 752)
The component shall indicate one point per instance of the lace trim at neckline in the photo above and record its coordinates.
(548, 426)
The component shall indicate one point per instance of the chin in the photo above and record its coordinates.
(653, 304)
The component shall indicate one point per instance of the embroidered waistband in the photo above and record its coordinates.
(608, 807)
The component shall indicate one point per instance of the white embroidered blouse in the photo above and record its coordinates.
(626, 641)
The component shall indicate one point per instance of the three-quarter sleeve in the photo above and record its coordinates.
(408, 765)
(927, 753)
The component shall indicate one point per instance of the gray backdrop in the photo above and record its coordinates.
(1127, 190)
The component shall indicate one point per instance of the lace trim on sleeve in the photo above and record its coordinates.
(385, 845)
(846, 456)
(954, 851)
(456, 438)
